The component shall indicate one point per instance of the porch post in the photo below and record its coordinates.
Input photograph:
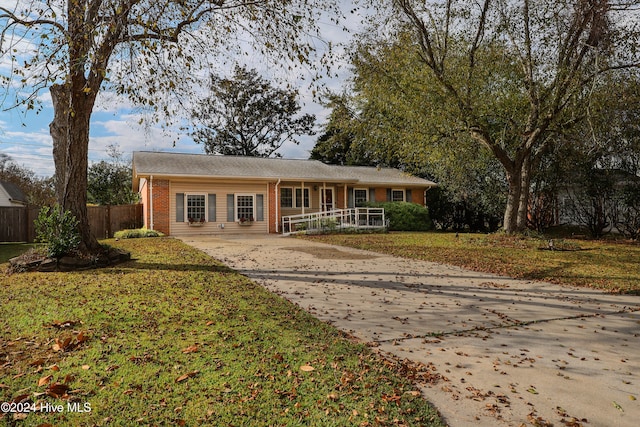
(277, 207)
(323, 199)
(301, 195)
(346, 200)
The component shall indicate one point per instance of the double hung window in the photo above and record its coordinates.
(294, 197)
(300, 200)
(286, 197)
(397, 195)
(245, 207)
(360, 196)
(196, 207)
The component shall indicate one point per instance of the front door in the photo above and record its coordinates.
(326, 199)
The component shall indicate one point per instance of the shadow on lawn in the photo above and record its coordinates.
(135, 264)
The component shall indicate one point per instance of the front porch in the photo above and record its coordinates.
(337, 219)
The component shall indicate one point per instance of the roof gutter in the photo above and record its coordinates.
(151, 202)
(277, 204)
(255, 178)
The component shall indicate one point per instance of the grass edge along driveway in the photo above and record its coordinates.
(607, 265)
(175, 338)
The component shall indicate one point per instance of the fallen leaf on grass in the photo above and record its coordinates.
(62, 345)
(81, 337)
(37, 362)
(45, 380)
(57, 390)
(307, 368)
(65, 324)
(69, 343)
(186, 376)
(391, 398)
(190, 349)
(21, 398)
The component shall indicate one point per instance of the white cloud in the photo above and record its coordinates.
(114, 123)
(129, 136)
(29, 149)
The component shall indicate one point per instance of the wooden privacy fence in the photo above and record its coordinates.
(16, 223)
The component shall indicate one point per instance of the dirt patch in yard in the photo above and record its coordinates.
(331, 253)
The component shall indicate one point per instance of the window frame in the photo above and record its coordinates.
(366, 195)
(304, 195)
(204, 207)
(289, 206)
(237, 206)
(398, 190)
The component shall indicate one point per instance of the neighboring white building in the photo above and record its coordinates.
(11, 195)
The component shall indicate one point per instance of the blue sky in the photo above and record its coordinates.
(24, 136)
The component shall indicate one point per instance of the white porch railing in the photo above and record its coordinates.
(337, 219)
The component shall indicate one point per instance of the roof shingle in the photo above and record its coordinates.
(201, 165)
(14, 192)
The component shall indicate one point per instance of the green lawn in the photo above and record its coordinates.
(607, 265)
(174, 338)
(10, 250)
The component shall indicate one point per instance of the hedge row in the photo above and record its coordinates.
(405, 216)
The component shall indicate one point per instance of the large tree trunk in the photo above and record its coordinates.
(519, 181)
(70, 132)
(525, 191)
(510, 223)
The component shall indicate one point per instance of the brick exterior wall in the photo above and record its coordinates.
(161, 207)
(381, 195)
(340, 198)
(417, 196)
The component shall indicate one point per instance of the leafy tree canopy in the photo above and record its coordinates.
(501, 78)
(109, 182)
(340, 144)
(151, 51)
(246, 116)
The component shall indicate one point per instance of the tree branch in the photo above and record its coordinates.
(7, 14)
(195, 15)
(476, 44)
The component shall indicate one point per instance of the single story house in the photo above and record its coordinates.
(11, 195)
(185, 194)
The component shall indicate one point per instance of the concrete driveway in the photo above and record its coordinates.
(489, 350)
